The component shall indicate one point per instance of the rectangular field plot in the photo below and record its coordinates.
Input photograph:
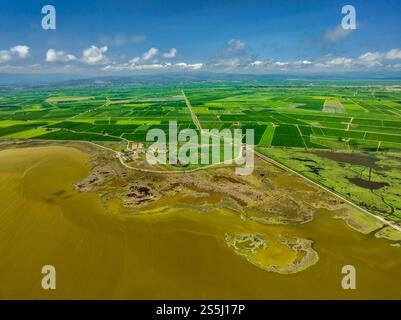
(267, 137)
(287, 136)
(73, 136)
(6, 131)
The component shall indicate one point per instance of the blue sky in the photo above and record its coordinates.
(123, 37)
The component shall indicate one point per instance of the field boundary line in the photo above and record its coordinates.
(193, 114)
(302, 137)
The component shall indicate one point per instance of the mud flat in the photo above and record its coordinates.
(255, 249)
(390, 234)
(360, 222)
(269, 195)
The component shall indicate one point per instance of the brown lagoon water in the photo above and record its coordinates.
(178, 254)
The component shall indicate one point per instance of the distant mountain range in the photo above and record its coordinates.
(173, 78)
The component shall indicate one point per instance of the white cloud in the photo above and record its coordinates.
(21, 51)
(234, 58)
(17, 52)
(303, 62)
(146, 62)
(146, 56)
(336, 34)
(371, 56)
(256, 63)
(370, 59)
(55, 56)
(154, 66)
(235, 49)
(95, 55)
(229, 63)
(135, 60)
(190, 66)
(393, 54)
(340, 61)
(276, 65)
(367, 60)
(236, 45)
(5, 56)
(150, 54)
(171, 54)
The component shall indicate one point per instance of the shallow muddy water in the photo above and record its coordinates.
(351, 158)
(371, 185)
(180, 253)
